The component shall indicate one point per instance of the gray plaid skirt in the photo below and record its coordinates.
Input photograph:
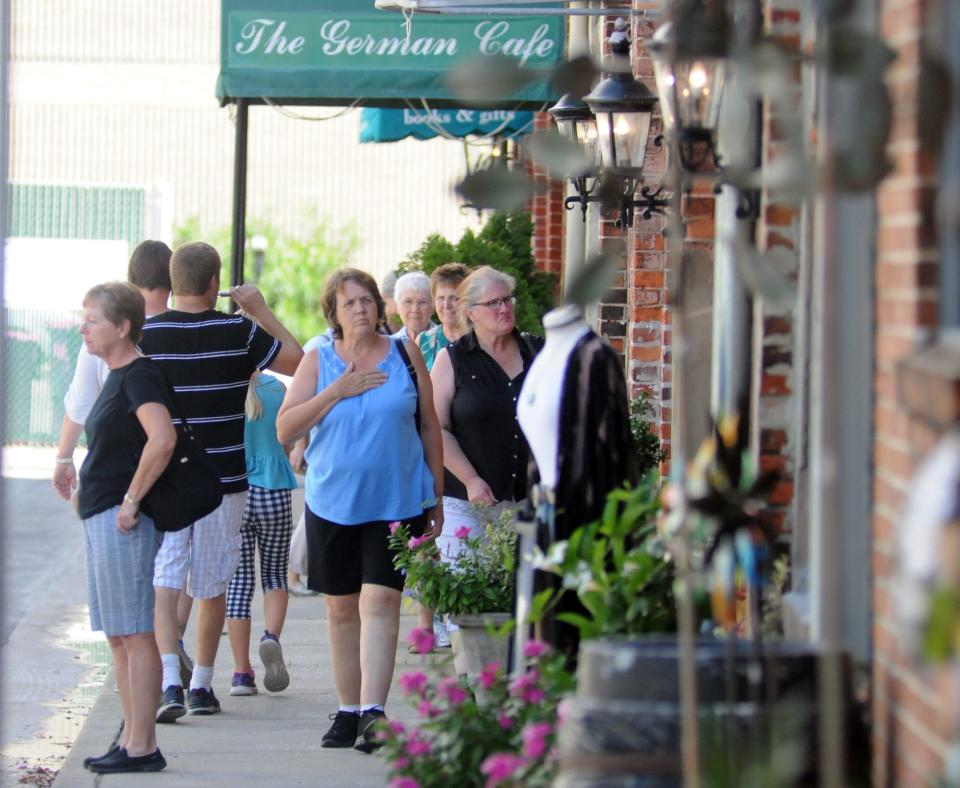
(120, 573)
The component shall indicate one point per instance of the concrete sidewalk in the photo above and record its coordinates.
(265, 739)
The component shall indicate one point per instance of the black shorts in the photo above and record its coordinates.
(341, 558)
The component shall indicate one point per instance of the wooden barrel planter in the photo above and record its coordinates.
(622, 728)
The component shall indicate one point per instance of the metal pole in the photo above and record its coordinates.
(4, 358)
(239, 197)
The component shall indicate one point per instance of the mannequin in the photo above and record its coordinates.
(574, 413)
(539, 407)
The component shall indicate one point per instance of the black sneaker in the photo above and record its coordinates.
(121, 762)
(203, 701)
(343, 732)
(368, 731)
(93, 759)
(171, 706)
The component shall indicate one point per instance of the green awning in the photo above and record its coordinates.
(342, 52)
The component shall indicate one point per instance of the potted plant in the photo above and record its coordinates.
(474, 587)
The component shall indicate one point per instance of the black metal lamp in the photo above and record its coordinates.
(576, 123)
(689, 64)
(623, 107)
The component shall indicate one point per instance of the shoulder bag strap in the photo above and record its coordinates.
(413, 376)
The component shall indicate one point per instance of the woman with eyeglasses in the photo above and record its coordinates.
(476, 383)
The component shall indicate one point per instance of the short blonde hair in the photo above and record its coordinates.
(478, 281)
(192, 266)
(119, 301)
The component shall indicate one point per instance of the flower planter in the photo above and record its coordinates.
(474, 648)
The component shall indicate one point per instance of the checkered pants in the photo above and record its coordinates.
(267, 525)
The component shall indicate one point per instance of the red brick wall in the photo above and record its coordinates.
(911, 703)
(778, 226)
(548, 212)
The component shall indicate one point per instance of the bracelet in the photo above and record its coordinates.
(64, 460)
(128, 499)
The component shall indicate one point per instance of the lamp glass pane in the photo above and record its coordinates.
(586, 131)
(699, 85)
(666, 83)
(630, 132)
(605, 138)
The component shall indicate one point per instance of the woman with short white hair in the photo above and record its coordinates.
(414, 304)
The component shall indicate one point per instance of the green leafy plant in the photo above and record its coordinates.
(509, 739)
(618, 567)
(479, 579)
(646, 442)
(504, 243)
(294, 267)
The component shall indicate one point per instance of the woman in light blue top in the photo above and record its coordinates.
(368, 465)
(267, 524)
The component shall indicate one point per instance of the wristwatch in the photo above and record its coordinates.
(128, 499)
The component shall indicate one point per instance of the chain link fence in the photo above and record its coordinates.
(41, 348)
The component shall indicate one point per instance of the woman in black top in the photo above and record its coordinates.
(476, 382)
(130, 438)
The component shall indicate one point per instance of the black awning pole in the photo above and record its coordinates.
(239, 198)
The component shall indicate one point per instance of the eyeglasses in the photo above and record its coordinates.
(496, 303)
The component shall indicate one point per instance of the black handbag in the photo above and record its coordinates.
(189, 487)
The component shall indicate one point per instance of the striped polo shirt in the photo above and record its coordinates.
(208, 358)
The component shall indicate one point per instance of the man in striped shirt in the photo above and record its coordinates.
(208, 357)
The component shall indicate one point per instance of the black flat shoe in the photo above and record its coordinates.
(121, 762)
(87, 761)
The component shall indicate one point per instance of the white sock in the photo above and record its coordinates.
(371, 707)
(171, 670)
(202, 677)
(351, 709)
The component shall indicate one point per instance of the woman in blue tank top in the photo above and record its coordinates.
(367, 466)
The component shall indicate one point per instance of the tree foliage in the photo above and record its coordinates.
(294, 267)
(504, 244)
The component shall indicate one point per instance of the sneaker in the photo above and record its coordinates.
(343, 732)
(276, 678)
(186, 665)
(368, 731)
(299, 589)
(120, 762)
(203, 701)
(243, 684)
(441, 636)
(171, 706)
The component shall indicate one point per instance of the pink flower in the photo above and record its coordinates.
(396, 727)
(525, 687)
(450, 689)
(499, 767)
(400, 763)
(415, 542)
(534, 648)
(535, 739)
(422, 639)
(412, 683)
(416, 747)
(463, 532)
(505, 722)
(403, 782)
(393, 527)
(426, 709)
(488, 675)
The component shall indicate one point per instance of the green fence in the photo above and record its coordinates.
(41, 352)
